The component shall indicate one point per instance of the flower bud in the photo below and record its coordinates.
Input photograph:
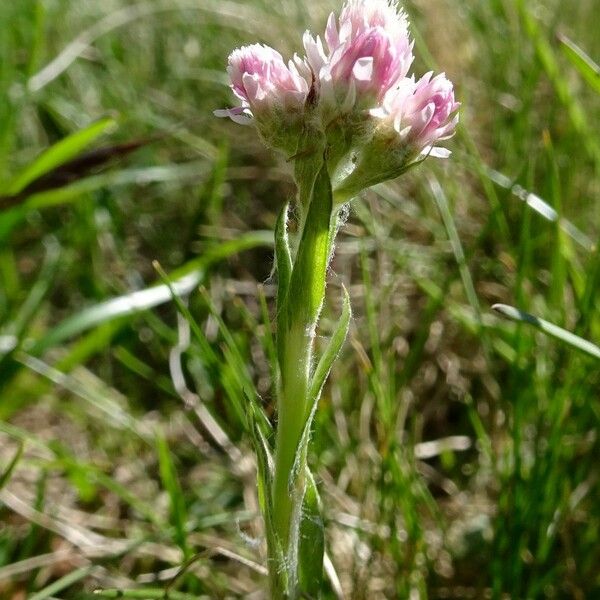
(272, 94)
(369, 51)
(421, 112)
(413, 117)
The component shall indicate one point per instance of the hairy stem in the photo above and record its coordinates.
(298, 315)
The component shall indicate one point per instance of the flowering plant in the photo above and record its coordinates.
(348, 117)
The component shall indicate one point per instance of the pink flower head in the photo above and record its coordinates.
(358, 16)
(369, 50)
(350, 95)
(422, 111)
(264, 84)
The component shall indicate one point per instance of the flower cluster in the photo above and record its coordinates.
(354, 88)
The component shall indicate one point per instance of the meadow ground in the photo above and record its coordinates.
(456, 451)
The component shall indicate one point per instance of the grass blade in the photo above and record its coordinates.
(122, 306)
(587, 68)
(58, 154)
(461, 260)
(12, 216)
(168, 475)
(549, 329)
(7, 474)
(540, 206)
(130, 304)
(62, 583)
(318, 380)
(548, 60)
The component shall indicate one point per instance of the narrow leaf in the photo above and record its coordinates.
(184, 281)
(62, 583)
(283, 257)
(12, 213)
(547, 58)
(233, 358)
(60, 153)
(232, 383)
(7, 474)
(73, 170)
(168, 475)
(331, 353)
(263, 448)
(459, 254)
(549, 329)
(587, 68)
(121, 306)
(264, 460)
(540, 206)
(312, 542)
(319, 377)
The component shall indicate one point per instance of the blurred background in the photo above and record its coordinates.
(456, 452)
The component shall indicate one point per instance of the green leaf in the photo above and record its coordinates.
(186, 173)
(549, 329)
(121, 306)
(239, 370)
(587, 68)
(23, 318)
(459, 254)
(62, 583)
(283, 256)
(339, 335)
(7, 474)
(331, 353)
(168, 475)
(264, 457)
(538, 205)
(59, 153)
(264, 460)
(181, 174)
(312, 542)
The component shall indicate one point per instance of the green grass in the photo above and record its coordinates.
(455, 451)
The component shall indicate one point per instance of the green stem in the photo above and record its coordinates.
(298, 314)
(292, 409)
(287, 493)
